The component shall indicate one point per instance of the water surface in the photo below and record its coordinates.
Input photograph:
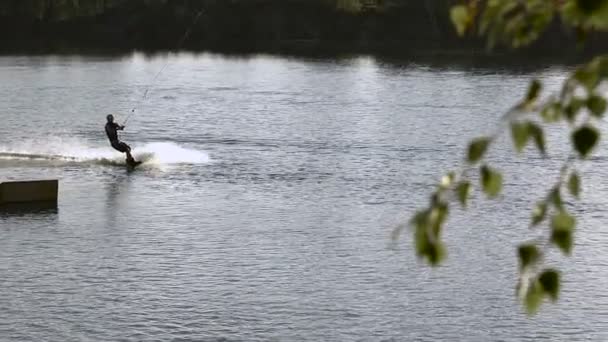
(264, 209)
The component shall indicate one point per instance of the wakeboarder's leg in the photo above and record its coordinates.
(130, 159)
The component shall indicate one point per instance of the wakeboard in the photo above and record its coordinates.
(132, 164)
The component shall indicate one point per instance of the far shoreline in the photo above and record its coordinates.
(323, 51)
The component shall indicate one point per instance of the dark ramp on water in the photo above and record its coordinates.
(32, 195)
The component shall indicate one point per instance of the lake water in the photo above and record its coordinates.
(264, 209)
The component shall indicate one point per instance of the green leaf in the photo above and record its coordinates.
(556, 198)
(549, 281)
(574, 184)
(584, 139)
(436, 253)
(421, 239)
(533, 91)
(587, 78)
(428, 246)
(477, 149)
(539, 213)
(552, 112)
(562, 226)
(491, 181)
(534, 297)
(528, 255)
(539, 137)
(596, 105)
(438, 215)
(562, 221)
(460, 18)
(420, 220)
(463, 190)
(573, 108)
(520, 134)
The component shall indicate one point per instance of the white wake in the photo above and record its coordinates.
(72, 150)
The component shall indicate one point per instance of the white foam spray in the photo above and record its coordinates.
(59, 149)
(167, 153)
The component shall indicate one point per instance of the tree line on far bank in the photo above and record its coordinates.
(247, 25)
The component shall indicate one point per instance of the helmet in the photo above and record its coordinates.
(110, 118)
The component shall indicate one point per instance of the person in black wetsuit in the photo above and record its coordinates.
(112, 129)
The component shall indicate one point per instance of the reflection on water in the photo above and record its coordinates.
(115, 197)
(265, 207)
(29, 208)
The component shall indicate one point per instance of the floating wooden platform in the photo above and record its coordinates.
(29, 192)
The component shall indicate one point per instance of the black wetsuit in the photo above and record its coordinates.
(112, 133)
